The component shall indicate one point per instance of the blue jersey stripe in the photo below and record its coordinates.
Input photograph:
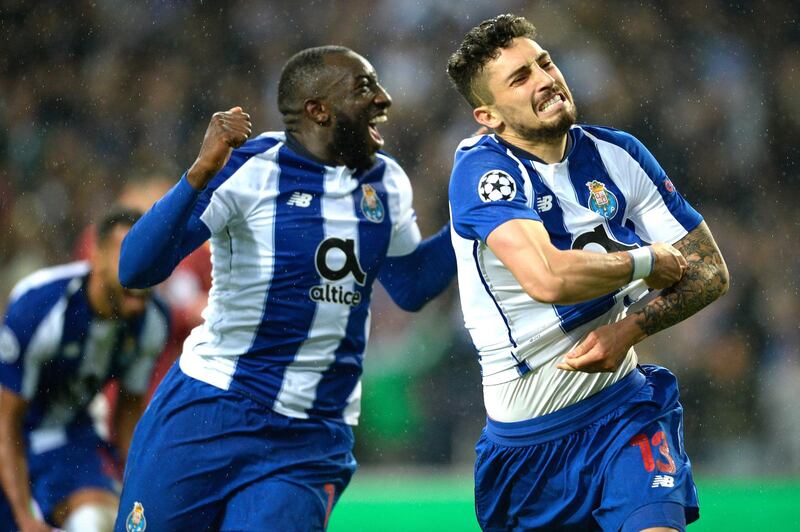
(552, 218)
(573, 316)
(680, 209)
(339, 380)
(586, 166)
(288, 310)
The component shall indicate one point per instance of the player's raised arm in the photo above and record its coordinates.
(550, 275)
(168, 232)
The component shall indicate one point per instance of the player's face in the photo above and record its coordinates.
(531, 97)
(125, 303)
(358, 103)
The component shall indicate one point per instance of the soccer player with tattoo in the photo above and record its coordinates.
(558, 228)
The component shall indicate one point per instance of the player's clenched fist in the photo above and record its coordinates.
(226, 131)
(668, 266)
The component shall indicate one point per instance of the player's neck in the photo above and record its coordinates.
(98, 299)
(313, 146)
(549, 151)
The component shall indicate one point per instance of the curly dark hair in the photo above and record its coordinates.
(482, 44)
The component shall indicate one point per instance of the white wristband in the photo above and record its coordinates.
(643, 260)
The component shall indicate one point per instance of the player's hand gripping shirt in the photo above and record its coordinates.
(296, 246)
(608, 194)
(57, 354)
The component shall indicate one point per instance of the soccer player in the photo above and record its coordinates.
(251, 430)
(67, 331)
(556, 229)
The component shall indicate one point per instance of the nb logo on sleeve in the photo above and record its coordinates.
(300, 199)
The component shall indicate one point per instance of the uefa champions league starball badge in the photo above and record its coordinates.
(496, 185)
(136, 521)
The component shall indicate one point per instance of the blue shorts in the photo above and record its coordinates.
(614, 461)
(85, 461)
(209, 459)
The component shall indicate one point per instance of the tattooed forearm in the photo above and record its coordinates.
(705, 280)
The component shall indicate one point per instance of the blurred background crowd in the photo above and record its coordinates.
(99, 95)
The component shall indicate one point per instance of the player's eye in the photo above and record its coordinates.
(520, 79)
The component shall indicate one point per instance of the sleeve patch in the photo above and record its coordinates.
(496, 185)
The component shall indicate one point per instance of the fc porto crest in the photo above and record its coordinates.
(371, 204)
(601, 200)
(136, 521)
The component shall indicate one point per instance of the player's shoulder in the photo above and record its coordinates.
(480, 146)
(47, 283)
(238, 176)
(262, 143)
(609, 135)
(393, 175)
(479, 155)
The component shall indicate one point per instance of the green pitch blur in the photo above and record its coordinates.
(394, 502)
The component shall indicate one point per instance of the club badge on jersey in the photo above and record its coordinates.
(136, 521)
(496, 185)
(601, 200)
(371, 204)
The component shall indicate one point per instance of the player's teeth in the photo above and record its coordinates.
(552, 101)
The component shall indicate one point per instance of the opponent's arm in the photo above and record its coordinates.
(414, 279)
(705, 280)
(14, 475)
(550, 275)
(167, 232)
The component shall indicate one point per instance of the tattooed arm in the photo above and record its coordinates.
(705, 280)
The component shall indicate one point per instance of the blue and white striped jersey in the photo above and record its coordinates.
(608, 194)
(296, 246)
(57, 354)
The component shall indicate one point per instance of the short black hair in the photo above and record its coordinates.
(117, 216)
(482, 44)
(300, 76)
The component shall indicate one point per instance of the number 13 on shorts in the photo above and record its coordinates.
(665, 463)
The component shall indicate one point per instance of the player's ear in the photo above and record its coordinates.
(486, 116)
(317, 111)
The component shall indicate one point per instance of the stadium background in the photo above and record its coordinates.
(96, 93)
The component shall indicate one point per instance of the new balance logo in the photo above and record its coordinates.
(299, 199)
(663, 481)
(544, 204)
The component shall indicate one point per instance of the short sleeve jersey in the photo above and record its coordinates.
(608, 194)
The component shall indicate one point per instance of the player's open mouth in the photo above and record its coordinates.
(550, 103)
(373, 128)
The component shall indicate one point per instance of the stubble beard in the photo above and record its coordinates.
(351, 144)
(550, 132)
